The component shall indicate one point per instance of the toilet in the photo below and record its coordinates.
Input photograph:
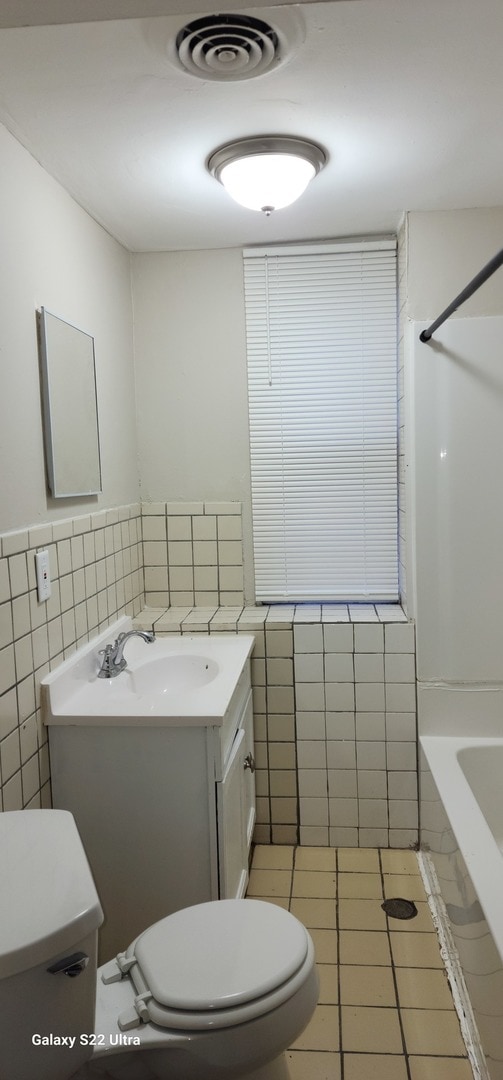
(217, 991)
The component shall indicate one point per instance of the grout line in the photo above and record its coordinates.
(339, 987)
(395, 982)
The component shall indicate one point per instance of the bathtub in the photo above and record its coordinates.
(462, 831)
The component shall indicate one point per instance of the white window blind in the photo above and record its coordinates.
(321, 342)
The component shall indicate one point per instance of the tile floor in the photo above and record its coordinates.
(385, 1010)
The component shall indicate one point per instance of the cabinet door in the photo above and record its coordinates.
(232, 851)
(249, 776)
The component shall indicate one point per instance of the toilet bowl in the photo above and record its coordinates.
(217, 991)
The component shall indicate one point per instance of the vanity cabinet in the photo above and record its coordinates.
(166, 814)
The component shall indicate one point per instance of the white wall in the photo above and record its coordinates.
(190, 347)
(55, 255)
(445, 251)
(457, 423)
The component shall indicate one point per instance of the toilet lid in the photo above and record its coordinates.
(221, 954)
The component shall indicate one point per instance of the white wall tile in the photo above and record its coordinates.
(183, 508)
(204, 527)
(372, 813)
(400, 667)
(309, 667)
(180, 553)
(370, 697)
(8, 669)
(338, 638)
(179, 527)
(153, 528)
(313, 783)
(340, 725)
(230, 553)
(310, 725)
(343, 812)
(342, 783)
(402, 838)
(279, 671)
(401, 756)
(369, 667)
(373, 838)
(339, 667)
(5, 592)
(312, 754)
(340, 837)
(372, 784)
(314, 837)
(402, 785)
(230, 527)
(399, 638)
(308, 639)
(310, 697)
(340, 696)
(401, 726)
(10, 755)
(400, 697)
(370, 725)
(341, 755)
(313, 811)
(369, 639)
(14, 542)
(18, 573)
(403, 814)
(8, 712)
(6, 624)
(371, 755)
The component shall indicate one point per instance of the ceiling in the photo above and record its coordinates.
(406, 96)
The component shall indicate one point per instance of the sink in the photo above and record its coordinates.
(170, 674)
(177, 678)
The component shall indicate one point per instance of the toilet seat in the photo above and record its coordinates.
(213, 965)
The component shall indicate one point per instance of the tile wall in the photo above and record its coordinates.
(335, 718)
(334, 690)
(97, 575)
(193, 554)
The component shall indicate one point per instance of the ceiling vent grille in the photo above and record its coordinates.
(228, 47)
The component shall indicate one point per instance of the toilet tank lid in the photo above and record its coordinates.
(48, 900)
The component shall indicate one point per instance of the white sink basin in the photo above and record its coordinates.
(177, 677)
(172, 674)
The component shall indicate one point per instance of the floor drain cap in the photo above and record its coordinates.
(397, 908)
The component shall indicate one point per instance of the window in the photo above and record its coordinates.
(321, 342)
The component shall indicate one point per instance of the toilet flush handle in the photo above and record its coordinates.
(70, 965)
(249, 762)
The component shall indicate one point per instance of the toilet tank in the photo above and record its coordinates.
(49, 917)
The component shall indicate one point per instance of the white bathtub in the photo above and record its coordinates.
(462, 829)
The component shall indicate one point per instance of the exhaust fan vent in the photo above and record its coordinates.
(227, 47)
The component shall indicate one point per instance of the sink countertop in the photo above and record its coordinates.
(195, 685)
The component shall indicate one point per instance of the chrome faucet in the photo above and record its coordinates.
(113, 655)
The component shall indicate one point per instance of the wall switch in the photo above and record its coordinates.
(43, 575)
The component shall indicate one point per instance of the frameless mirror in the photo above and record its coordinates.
(70, 408)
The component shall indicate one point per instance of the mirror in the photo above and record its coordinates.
(70, 408)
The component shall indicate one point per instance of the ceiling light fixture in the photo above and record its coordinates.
(267, 172)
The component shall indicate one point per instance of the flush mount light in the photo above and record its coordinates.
(268, 172)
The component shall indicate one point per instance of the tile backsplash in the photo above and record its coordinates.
(96, 575)
(193, 553)
(333, 685)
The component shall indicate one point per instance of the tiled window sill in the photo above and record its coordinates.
(200, 619)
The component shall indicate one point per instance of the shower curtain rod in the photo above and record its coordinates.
(472, 287)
